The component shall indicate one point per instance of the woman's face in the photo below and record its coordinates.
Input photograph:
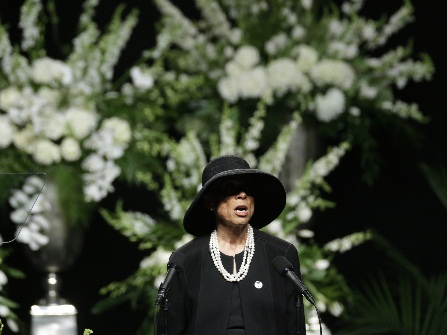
(234, 202)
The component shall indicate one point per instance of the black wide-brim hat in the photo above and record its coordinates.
(270, 195)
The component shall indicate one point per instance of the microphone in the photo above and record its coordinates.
(285, 269)
(174, 266)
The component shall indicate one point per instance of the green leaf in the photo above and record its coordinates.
(437, 178)
(109, 303)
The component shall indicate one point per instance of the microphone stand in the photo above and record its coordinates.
(162, 302)
(298, 306)
(165, 306)
(165, 316)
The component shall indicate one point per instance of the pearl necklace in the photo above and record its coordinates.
(249, 251)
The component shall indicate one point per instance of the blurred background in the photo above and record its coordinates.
(389, 186)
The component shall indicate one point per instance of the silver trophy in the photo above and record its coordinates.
(54, 315)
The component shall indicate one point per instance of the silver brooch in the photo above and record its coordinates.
(258, 284)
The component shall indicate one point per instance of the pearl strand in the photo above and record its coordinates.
(249, 251)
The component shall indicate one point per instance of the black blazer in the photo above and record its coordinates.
(199, 297)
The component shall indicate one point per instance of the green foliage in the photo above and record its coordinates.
(437, 179)
(9, 306)
(405, 302)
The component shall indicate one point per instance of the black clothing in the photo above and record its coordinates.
(201, 299)
(236, 318)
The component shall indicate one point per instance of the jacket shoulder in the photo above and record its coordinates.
(193, 246)
(272, 240)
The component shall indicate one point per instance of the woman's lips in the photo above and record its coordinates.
(241, 210)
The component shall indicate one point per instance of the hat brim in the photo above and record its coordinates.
(270, 200)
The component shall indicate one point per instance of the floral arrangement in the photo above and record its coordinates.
(54, 116)
(297, 64)
(185, 159)
(331, 63)
(58, 124)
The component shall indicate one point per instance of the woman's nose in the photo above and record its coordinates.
(241, 195)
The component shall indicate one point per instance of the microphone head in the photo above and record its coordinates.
(282, 265)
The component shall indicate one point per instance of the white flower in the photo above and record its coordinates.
(7, 131)
(19, 216)
(330, 105)
(293, 199)
(247, 56)
(36, 182)
(336, 308)
(30, 187)
(276, 44)
(12, 325)
(47, 70)
(4, 310)
(99, 183)
(307, 57)
(253, 83)
(53, 126)
(354, 111)
(31, 235)
(336, 28)
(233, 69)
(10, 97)
(103, 142)
(141, 223)
(3, 281)
(50, 96)
(298, 32)
(367, 91)
(81, 122)
(158, 280)
(146, 262)
(333, 72)
(307, 4)
(38, 220)
(39, 206)
(158, 258)
(24, 140)
(18, 198)
(306, 233)
(284, 75)
(46, 152)
(320, 168)
(93, 163)
(235, 35)
(70, 149)
(141, 78)
(94, 192)
(304, 213)
(369, 32)
(120, 128)
(228, 89)
(343, 50)
(321, 264)
(275, 228)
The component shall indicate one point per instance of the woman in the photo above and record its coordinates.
(226, 284)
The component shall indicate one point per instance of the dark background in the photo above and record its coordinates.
(400, 204)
